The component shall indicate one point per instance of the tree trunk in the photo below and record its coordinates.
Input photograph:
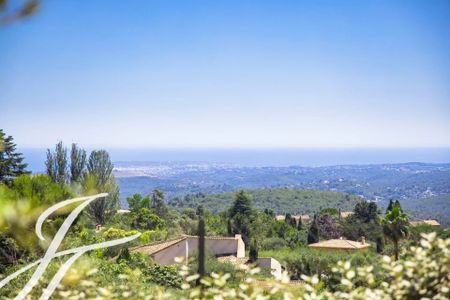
(396, 250)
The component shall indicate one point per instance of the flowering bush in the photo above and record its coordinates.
(424, 273)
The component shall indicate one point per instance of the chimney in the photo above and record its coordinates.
(238, 236)
(363, 240)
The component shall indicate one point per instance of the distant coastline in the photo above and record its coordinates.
(261, 157)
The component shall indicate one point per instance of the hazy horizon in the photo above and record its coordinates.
(264, 157)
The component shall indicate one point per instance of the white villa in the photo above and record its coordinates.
(227, 249)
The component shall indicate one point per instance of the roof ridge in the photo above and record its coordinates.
(348, 242)
(159, 242)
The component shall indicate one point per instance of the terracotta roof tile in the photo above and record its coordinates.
(427, 222)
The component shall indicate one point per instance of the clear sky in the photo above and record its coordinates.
(228, 74)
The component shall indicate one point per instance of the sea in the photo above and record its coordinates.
(263, 157)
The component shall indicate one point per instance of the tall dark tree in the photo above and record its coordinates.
(77, 163)
(99, 179)
(11, 161)
(390, 206)
(287, 218)
(397, 204)
(229, 227)
(329, 228)
(313, 232)
(242, 215)
(201, 242)
(300, 223)
(57, 164)
(253, 253)
(380, 244)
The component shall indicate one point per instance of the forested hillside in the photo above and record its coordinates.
(279, 200)
(436, 207)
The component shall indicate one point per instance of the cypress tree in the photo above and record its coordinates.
(287, 218)
(397, 204)
(300, 223)
(390, 206)
(380, 244)
(313, 232)
(253, 252)
(229, 227)
(201, 243)
(11, 162)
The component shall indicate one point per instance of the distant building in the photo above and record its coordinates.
(346, 214)
(341, 244)
(425, 222)
(122, 211)
(305, 218)
(231, 249)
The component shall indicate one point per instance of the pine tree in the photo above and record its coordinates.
(158, 204)
(11, 162)
(313, 232)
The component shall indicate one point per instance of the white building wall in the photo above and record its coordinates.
(273, 264)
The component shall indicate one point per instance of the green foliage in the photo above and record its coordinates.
(11, 161)
(152, 236)
(146, 220)
(273, 243)
(77, 163)
(242, 215)
(330, 211)
(164, 275)
(117, 233)
(158, 204)
(279, 201)
(366, 212)
(137, 202)
(99, 179)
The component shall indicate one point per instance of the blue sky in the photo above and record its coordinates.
(229, 74)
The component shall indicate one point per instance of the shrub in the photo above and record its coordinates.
(147, 220)
(273, 243)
